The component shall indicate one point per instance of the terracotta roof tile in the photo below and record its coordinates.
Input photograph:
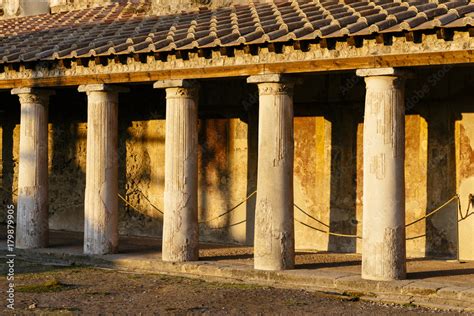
(127, 27)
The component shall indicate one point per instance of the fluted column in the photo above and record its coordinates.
(101, 200)
(180, 226)
(32, 218)
(274, 245)
(383, 252)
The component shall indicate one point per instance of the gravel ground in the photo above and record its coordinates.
(46, 290)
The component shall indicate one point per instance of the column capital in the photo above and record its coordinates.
(29, 90)
(273, 78)
(176, 83)
(179, 88)
(102, 88)
(32, 95)
(376, 72)
(274, 84)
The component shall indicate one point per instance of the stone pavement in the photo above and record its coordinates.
(442, 284)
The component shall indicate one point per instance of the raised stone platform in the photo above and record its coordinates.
(431, 283)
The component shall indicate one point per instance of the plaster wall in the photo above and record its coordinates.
(465, 176)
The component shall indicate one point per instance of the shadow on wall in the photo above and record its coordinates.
(214, 176)
(252, 167)
(441, 109)
(441, 229)
(137, 133)
(334, 201)
(141, 160)
(67, 154)
(227, 160)
(444, 95)
(343, 189)
(9, 118)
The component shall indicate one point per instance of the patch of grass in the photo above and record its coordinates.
(171, 279)
(56, 311)
(65, 309)
(409, 305)
(98, 293)
(78, 269)
(238, 286)
(352, 296)
(45, 287)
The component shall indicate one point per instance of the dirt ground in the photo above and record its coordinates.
(47, 290)
(461, 274)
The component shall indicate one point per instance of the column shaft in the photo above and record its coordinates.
(274, 222)
(32, 217)
(180, 230)
(383, 255)
(101, 200)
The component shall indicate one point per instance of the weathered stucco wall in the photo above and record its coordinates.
(416, 190)
(328, 160)
(465, 184)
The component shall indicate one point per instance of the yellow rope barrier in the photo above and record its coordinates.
(456, 197)
(7, 191)
(461, 216)
(328, 232)
(203, 222)
(230, 210)
(312, 217)
(148, 200)
(134, 207)
(416, 237)
(227, 226)
(434, 211)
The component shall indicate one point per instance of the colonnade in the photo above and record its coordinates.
(274, 247)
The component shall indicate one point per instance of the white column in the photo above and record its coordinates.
(101, 198)
(32, 218)
(274, 245)
(180, 226)
(383, 252)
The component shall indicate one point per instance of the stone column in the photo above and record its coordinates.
(180, 227)
(32, 218)
(274, 245)
(101, 200)
(383, 251)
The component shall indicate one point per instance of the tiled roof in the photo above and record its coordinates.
(124, 28)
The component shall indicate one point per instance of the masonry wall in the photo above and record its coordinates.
(328, 160)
